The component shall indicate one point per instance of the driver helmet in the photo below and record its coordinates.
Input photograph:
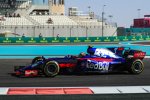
(82, 54)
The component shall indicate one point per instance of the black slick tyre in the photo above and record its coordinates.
(51, 68)
(136, 67)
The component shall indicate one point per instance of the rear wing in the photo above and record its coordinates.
(127, 52)
(137, 55)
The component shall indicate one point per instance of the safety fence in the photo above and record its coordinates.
(34, 40)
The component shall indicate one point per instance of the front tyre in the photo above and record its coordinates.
(51, 69)
(136, 67)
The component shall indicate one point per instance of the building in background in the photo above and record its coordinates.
(141, 26)
(48, 18)
(40, 2)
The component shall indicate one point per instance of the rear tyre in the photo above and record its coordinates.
(51, 69)
(136, 67)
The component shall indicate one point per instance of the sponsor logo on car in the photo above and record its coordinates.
(103, 66)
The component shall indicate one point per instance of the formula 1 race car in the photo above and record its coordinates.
(117, 59)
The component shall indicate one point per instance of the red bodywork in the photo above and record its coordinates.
(67, 65)
(139, 55)
(31, 73)
(71, 65)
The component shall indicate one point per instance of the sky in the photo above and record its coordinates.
(123, 11)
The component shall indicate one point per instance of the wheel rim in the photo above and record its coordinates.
(51, 68)
(138, 67)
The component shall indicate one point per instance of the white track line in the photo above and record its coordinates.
(120, 89)
(101, 90)
(147, 56)
(3, 91)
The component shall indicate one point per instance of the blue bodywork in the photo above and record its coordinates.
(108, 60)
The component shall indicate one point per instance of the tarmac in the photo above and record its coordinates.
(118, 79)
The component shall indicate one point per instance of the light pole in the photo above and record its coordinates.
(53, 31)
(34, 30)
(86, 31)
(110, 16)
(139, 12)
(103, 20)
(71, 31)
(89, 7)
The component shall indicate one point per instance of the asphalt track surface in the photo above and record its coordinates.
(142, 43)
(120, 79)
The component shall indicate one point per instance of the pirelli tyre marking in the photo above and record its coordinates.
(103, 66)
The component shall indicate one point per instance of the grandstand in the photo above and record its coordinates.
(18, 21)
(53, 20)
(26, 17)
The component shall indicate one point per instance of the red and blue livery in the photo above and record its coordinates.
(110, 60)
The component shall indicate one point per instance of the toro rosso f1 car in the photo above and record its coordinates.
(117, 59)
